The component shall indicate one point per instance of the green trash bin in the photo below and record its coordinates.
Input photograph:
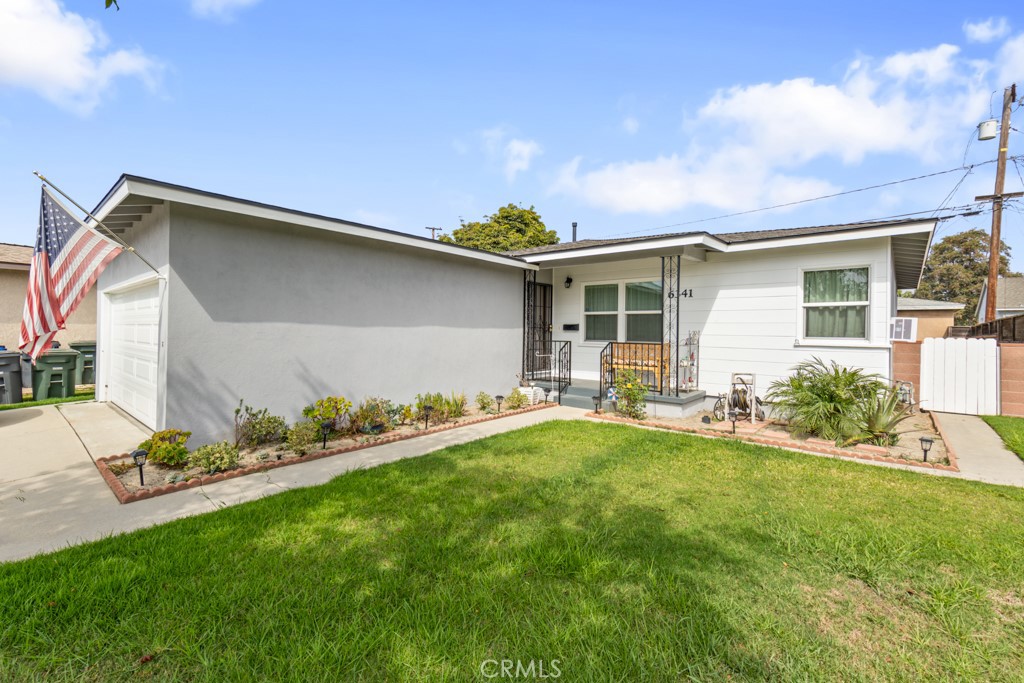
(85, 372)
(10, 377)
(54, 375)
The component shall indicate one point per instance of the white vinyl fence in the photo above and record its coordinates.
(960, 376)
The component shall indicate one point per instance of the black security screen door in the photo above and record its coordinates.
(538, 333)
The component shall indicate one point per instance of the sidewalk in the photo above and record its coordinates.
(63, 500)
(981, 454)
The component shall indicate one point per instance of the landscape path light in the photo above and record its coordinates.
(498, 399)
(597, 402)
(926, 445)
(427, 410)
(139, 457)
(732, 418)
(325, 429)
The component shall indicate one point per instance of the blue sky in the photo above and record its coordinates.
(628, 118)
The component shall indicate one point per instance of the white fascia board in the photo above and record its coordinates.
(219, 203)
(627, 248)
(840, 236)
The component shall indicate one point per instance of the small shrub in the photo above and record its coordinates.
(302, 436)
(376, 414)
(484, 401)
(455, 405)
(331, 409)
(877, 417)
(406, 415)
(119, 468)
(217, 457)
(437, 402)
(632, 395)
(823, 400)
(256, 427)
(167, 448)
(516, 399)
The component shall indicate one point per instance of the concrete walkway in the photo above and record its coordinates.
(52, 496)
(982, 455)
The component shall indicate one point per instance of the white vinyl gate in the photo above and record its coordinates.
(960, 376)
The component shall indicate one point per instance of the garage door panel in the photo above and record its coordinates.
(135, 352)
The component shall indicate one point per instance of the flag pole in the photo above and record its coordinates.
(110, 232)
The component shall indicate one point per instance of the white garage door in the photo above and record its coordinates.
(135, 352)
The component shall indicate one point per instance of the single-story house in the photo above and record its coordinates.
(15, 260)
(281, 307)
(932, 318)
(1009, 298)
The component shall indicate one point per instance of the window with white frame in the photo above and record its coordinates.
(622, 311)
(836, 303)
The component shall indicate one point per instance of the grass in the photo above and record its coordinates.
(624, 554)
(1010, 430)
(84, 396)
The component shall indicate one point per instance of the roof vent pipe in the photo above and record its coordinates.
(574, 231)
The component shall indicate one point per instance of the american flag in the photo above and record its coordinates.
(68, 258)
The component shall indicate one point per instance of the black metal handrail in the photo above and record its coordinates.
(649, 360)
(550, 363)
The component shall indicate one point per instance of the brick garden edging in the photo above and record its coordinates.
(123, 496)
(950, 453)
(867, 452)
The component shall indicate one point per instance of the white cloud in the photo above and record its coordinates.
(932, 66)
(986, 31)
(220, 9)
(749, 143)
(62, 56)
(514, 154)
(630, 125)
(518, 155)
(1011, 63)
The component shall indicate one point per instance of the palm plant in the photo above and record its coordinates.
(878, 416)
(822, 399)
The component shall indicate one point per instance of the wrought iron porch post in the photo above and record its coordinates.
(529, 292)
(670, 281)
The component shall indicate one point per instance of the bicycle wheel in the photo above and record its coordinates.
(719, 411)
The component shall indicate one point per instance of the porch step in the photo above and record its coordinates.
(578, 396)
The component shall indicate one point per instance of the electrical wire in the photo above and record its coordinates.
(812, 199)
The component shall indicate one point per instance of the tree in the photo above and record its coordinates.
(510, 229)
(957, 268)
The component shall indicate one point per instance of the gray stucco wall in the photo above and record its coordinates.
(281, 315)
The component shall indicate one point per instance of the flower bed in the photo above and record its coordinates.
(125, 484)
(772, 433)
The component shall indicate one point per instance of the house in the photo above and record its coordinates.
(1009, 298)
(932, 318)
(281, 307)
(15, 260)
(756, 302)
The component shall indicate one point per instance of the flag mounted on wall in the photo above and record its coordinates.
(68, 258)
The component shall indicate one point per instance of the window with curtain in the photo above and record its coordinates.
(601, 312)
(643, 312)
(836, 303)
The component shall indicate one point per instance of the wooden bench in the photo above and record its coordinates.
(642, 358)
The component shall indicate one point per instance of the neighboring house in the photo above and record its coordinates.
(15, 260)
(933, 317)
(280, 307)
(1009, 298)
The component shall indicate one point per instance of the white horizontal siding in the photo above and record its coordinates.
(747, 307)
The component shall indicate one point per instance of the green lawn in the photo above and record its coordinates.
(624, 554)
(82, 396)
(1010, 430)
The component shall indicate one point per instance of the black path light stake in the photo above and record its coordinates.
(498, 399)
(732, 418)
(139, 456)
(926, 445)
(596, 398)
(547, 394)
(427, 410)
(325, 429)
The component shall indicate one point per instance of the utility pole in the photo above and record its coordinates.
(433, 232)
(997, 197)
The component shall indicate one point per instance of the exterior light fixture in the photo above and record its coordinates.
(926, 445)
(597, 402)
(732, 418)
(325, 429)
(568, 282)
(139, 457)
(547, 394)
(498, 399)
(427, 410)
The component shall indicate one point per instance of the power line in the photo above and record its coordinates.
(814, 199)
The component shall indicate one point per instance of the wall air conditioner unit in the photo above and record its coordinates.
(903, 329)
